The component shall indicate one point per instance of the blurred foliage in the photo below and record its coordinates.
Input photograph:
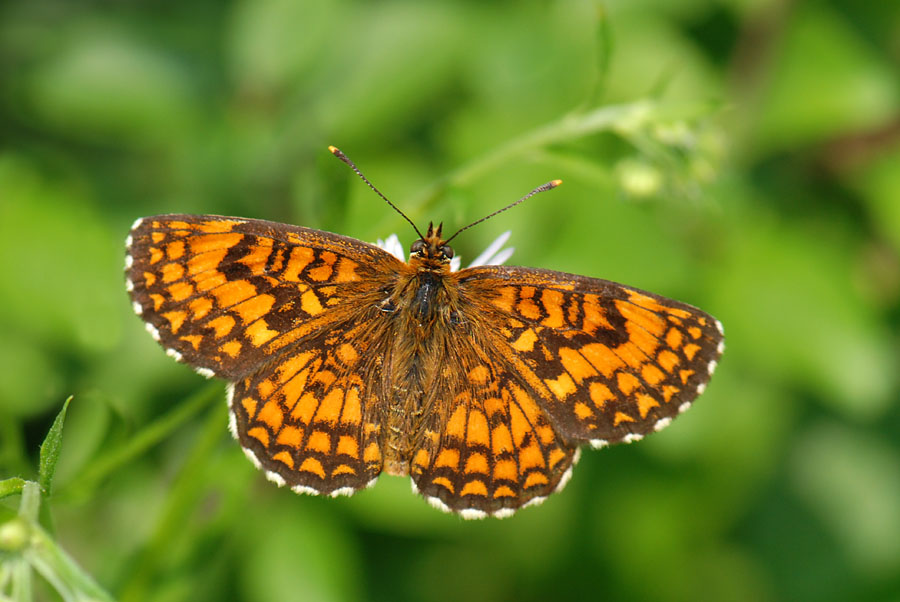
(740, 155)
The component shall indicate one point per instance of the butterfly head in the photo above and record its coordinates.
(432, 247)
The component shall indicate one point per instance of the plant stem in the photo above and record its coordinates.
(569, 127)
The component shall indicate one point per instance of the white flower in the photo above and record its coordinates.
(495, 254)
(392, 245)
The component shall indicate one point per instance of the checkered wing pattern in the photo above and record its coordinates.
(491, 448)
(607, 363)
(225, 295)
(310, 420)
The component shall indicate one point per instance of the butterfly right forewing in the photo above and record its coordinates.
(607, 362)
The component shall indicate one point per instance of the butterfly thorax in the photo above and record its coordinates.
(422, 296)
(425, 303)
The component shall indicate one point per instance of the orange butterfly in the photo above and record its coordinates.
(345, 361)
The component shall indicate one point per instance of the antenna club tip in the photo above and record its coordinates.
(334, 150)
(555, 183)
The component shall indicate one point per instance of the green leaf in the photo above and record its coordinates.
(50, 450)
(11, 486)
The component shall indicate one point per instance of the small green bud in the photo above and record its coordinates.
(13, 535)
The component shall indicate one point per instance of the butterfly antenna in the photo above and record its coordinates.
(548, 186)
(340, 155)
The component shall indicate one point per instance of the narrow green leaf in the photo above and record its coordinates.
(50, 450)
(11, 486)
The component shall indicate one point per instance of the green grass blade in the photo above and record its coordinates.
(50, 450)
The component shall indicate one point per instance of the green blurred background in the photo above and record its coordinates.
(739, 155)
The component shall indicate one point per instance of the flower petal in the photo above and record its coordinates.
(501, 257)
(392, 245)
(488, 257)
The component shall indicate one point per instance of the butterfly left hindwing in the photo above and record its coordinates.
(310, 419)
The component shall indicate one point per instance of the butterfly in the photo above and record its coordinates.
(344, 362)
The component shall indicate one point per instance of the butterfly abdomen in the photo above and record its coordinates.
(423, 304)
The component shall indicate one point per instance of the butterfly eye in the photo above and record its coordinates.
(417, 246)
(447, 251)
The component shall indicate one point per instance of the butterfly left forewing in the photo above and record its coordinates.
(608, 363)
(226, 294)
